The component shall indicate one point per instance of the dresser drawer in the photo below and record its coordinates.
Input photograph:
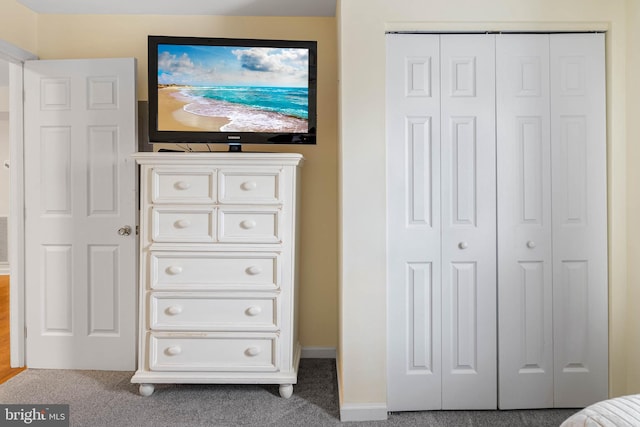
(249, 225)
(214, 270)
(174, 312)
(257, 186)
(195, 224)
(192, 186)
(213, 352)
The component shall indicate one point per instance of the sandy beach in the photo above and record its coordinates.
(180, 112)
(171, 114)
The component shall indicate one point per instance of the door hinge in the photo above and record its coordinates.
(137, 230)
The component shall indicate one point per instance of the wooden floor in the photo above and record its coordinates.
(6, 371)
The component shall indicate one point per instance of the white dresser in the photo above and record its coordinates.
(218, 274)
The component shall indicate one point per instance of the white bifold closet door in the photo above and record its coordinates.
(496, 221)
(552, 248)
(442, 222)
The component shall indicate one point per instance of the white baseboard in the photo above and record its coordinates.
(318, 353)
(363, 412)
(4, 269)
(359, 411)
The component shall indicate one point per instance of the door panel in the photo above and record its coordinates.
(441, 280)
(524, 222)
(463, 318)
(413, 119)
(579, 180)
(80, 190)
(468, 222)
(420, 290)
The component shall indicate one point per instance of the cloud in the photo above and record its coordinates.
(173, 64)
(181, 70)
(240, 66)
(284, 61)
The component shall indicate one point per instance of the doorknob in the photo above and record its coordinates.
(124, 231)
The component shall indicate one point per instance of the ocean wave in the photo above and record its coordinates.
(288, 101)
(245, 118)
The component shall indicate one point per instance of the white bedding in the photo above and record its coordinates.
(619, 412)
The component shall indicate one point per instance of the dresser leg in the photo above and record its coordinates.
(286, 390)
(146, 389)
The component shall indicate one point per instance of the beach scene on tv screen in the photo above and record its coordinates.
(233, 89)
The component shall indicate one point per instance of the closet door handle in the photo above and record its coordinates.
(463, 245)
(531, 244)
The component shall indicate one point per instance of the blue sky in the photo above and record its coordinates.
(232, 66)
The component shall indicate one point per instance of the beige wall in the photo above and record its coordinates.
(18, 25)
(92, 36)
(362, 25)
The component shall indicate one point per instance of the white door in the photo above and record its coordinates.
(414, 379)
(579, 188)
(441, 222)
(442, 95)
(80, 190)
(525, 288)
(468, 207)
(552, 241)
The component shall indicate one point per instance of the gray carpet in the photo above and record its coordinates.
(103, 398)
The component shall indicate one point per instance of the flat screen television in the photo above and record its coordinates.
(232, 91)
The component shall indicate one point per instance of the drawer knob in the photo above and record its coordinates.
(248, 224)
(174, 269)
(249, 185)
(174, 350)
(182, 223)
(253, 270)
(463, 245)
(252, 351)
(174, 310)
(531, 244)
(182, 185)
(254, 310)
